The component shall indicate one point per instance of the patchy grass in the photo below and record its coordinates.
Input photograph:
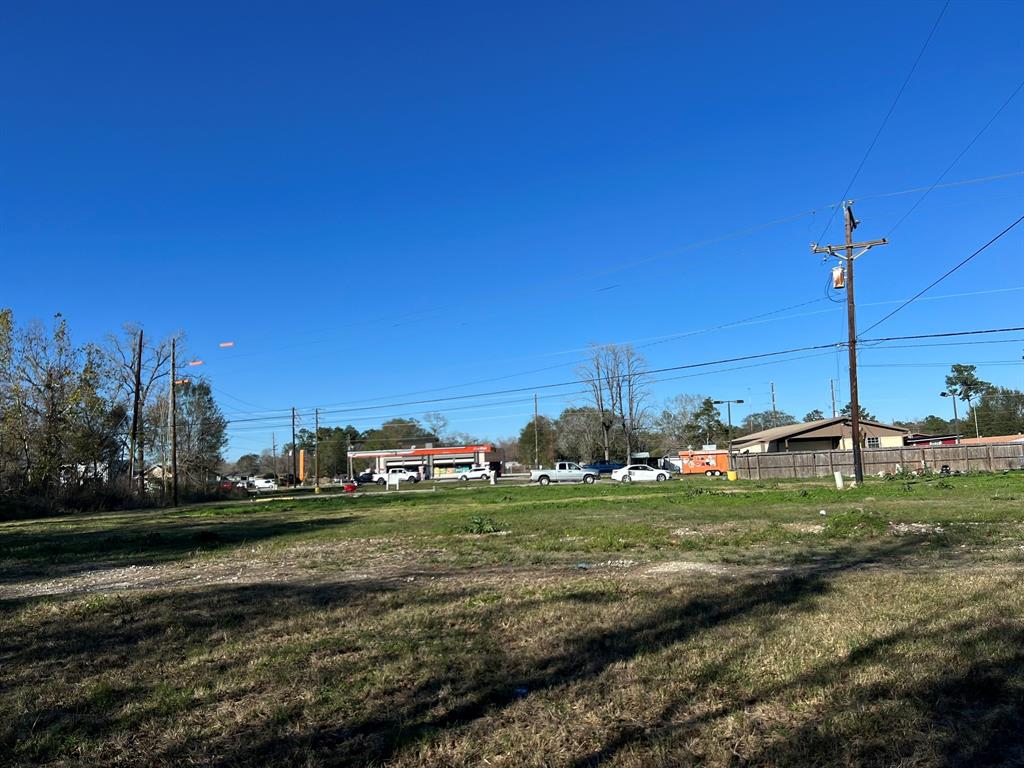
(631, 626)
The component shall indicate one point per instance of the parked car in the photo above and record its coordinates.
(563, 472)
(603, 467)
(640, 473)
(263, 484)
(476, 473)
(396, 474)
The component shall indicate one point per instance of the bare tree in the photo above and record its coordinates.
(633, 399)
(593, 374)
(138, 377)
(614, 376)
(437, 423)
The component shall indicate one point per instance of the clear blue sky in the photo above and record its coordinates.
(373, 199)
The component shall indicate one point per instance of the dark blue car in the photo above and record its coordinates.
(604, 467)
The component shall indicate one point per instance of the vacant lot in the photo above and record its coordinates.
(685, 623)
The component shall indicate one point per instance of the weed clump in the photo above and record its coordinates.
(481, 525)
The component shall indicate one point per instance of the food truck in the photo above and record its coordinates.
(710, 461)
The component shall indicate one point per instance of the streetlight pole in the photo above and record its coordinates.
(728, 410)
(956, 419)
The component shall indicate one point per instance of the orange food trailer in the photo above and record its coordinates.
(710, 463)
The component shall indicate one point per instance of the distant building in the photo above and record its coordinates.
(445, 461)
(822, 435)
(919, 439)
(1001, 439)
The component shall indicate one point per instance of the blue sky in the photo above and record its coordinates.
(379, 199)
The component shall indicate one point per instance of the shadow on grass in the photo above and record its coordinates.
(450, 701)
(167, 630)
(59, 553)
(969, 715)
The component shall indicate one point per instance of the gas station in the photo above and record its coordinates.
(429, 462)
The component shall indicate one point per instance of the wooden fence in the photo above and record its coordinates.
(993, 457)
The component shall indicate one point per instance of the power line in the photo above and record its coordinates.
(687, 366)
(949, 272)
(956, 159)
(885, 120)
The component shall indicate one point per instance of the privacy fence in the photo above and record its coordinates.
(959, 458)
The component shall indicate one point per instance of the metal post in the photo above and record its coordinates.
(728, 410)
(316, 451)
(956, 422)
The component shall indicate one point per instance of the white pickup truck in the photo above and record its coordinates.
(395, 475)
(563, 472)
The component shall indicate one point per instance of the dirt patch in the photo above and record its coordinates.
(684, 566)
(803, 527)
(914, 529)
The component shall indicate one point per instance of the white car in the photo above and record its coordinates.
(263, 484)
(640, 473)
(476, 473)
(396, 475)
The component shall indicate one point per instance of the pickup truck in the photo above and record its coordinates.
(563, 472)
(395, 474)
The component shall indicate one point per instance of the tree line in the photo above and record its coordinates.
(91, 420)
(617, 420)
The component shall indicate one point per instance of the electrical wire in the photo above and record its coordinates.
(885, 120)
(687, 366)
(956, 159)
(948, 272)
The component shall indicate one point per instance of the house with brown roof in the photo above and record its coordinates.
(822, 435)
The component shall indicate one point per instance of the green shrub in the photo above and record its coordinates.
(482, 525)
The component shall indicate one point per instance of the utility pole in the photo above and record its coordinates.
(136, 443)
(536, 435)
(775, 417)
(851, 320)
(348, 455)
(174, 431)
(316, 450)
(273, 452)
(832, 389)
(295, 453)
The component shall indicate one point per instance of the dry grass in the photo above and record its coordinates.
(382, 634)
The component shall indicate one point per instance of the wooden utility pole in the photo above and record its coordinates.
(174, 432)
(348, 455)
(136, 442)
(316, 450)
(295, 453)
(273, 452)
(851, 320)
(832, 389)
(775, 418)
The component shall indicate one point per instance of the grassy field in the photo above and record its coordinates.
(693, 622)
